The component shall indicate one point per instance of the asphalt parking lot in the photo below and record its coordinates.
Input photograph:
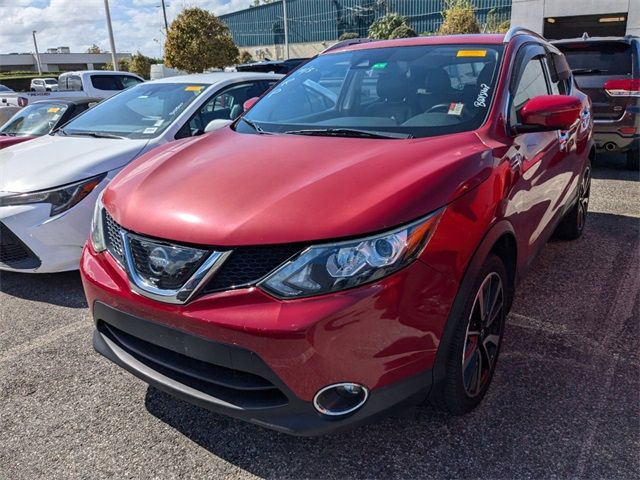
(565, 402)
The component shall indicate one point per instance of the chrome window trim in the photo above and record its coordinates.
(178, 296)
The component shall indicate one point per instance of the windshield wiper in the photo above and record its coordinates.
(349, 132)
(92, 134)
(255, 126)
(587, 71)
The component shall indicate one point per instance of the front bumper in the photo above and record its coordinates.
(384, 336)
(228, 379)
(54, 243)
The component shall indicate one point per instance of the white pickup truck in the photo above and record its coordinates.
(89, 83)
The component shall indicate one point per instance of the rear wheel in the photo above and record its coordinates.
(572, 225)
(475, 343)
(633, 159)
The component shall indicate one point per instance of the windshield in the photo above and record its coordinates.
(398, 92)
(144, 111)
(50, 81)
(35, 119)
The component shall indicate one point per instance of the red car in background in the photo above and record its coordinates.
(40, 118)
(352, 243)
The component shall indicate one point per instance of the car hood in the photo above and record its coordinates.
(231, 189)
(8, 141)
(53, 160)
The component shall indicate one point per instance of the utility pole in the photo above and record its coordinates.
(286, 28)
(164, 12)
(114, 62)
(35, 44)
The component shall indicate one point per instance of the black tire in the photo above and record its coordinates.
(572, 225)
(633, 159)
(453, 394)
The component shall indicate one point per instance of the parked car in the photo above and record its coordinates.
(608, 70)
(44, 85)
(344, 249)
(89, 83)
(48, 186)
(273, 66)
(41, 118)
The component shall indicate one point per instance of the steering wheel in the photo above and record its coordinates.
(444, 108)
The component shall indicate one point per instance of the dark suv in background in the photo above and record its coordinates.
(608, 70)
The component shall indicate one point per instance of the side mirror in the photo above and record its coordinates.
(549, 112)
(216, 124)
(249, 103)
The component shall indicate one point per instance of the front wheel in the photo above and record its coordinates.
(475, 344)
(572, 225)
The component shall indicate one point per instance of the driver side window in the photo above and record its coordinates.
(532, 84)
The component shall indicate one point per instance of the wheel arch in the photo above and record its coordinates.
(501, 241)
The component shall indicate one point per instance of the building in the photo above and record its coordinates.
(315, 24)
(56, 62)
(557, 19)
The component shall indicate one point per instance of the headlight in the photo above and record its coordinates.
(60, 198)
(338, 266)
(97, 230)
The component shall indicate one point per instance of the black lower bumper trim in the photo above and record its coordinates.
(13, 251)
(174, 374)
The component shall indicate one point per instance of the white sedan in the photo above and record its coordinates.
(49, 186)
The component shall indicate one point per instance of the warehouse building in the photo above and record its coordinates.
(557, 19)
(58, 59)
(315, 24)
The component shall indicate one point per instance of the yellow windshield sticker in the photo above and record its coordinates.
(53, 110)
(472, 53)
(193, 88)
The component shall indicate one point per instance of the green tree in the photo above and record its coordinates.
(198, 40)
(123, 65)
(459, 17)
(496, 23)
(141, 64)
(245, 57)
(403, 31)
(382, 28)
(348, 36)
(94, 49)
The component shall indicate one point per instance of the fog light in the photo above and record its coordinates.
(340, 399)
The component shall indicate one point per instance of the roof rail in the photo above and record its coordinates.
(515, 31)
(346, 43)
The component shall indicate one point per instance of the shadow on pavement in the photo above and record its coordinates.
(63, 289)
(551, 410)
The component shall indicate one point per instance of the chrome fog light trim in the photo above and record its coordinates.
(340, 399)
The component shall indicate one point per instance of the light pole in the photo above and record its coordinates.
(286, 28)
(114, 62)
(35, 44)
(164, 13)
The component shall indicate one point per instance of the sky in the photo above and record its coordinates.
(138, 25)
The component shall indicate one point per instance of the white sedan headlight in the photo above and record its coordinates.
(338, 266)
(96, 237)
(61, 198)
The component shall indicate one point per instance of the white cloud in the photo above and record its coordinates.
(137, 24)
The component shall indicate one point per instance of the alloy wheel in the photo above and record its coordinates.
(583, 198)
(483, 336)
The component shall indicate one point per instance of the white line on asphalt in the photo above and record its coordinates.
(42, 340)
(621, 310)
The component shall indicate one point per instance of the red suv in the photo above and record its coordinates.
(352, 243)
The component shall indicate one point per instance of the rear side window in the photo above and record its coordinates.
(602, 58)
(113, 82)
